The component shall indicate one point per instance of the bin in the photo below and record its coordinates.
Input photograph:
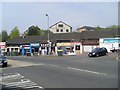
(12, 53)
(60, 52)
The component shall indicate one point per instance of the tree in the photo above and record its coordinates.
(34, 30)
(4, 36)
(14, 33)
(98, 28)
(113, 27)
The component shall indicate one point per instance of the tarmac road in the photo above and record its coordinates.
(68, 71)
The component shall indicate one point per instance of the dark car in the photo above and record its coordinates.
(3, 61)
(98, 52)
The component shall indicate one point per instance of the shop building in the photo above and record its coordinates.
(69, 42)
(110, 43)
(2, 47)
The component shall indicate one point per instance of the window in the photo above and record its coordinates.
(61, 30)
(77, 47)
(67, 30)
(57, 30)
(60, 25)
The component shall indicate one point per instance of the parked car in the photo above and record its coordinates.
(3, 61)
(98, 52)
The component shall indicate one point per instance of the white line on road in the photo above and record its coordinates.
(52, 65)
(83, 70)
(13, 82)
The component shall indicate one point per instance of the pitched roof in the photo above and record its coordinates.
(99, 34)
(67, 36)
(60, 22)
(87, 28)
(76, 36)
(24, 40)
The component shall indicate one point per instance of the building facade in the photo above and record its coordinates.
(60, 27)
(110, 43)
(69, 42)
(85, 28)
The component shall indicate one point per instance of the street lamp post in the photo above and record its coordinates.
(48, 37)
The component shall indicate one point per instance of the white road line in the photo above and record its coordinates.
(8, 77)
(83, 70)
(52, 65)
(8, 82)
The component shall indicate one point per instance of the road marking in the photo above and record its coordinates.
(83, 70)
(16, 80)
(52, 65)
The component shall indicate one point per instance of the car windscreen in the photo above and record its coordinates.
(96, 50)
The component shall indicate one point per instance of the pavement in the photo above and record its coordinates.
(15, 63)
(67, 71)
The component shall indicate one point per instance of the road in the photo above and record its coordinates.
(67, 71)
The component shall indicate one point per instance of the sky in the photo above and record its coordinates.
(76, 14)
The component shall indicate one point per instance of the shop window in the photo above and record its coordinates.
(11, 49)
(16, 49)
(7, 49)
(42, 47)
(77, 47)
(36, 49)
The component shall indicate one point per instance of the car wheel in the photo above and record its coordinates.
(97, 55)
(106, 54)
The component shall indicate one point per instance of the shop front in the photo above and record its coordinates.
(25, 49)
(66, 47)
(30, 49)
(46, 48)
(89, 44)
(34, 48)
(2, 47)
(110, 43)
(77, 47)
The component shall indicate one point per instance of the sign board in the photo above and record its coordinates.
(76, 43)
(111, 40)
(64, 44)
(35, 45)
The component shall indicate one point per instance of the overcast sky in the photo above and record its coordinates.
(76, 14)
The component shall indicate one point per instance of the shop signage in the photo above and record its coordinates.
(76, 43)
(111, 40)
(35, 45)
(25, 46)
(64, 44)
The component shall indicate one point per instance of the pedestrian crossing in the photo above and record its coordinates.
(16, 81)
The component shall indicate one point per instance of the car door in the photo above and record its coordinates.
(101, 52)
(104, 51)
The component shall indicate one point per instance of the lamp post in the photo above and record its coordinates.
(48, 37)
